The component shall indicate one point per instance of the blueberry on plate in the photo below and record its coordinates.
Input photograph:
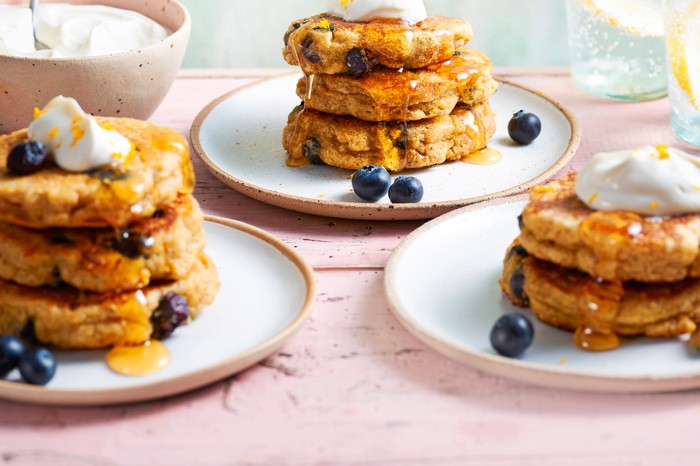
(512, 334)
(524, 127)
(26, 158)
(406, 189)
(37, 366)
(11, 350)
(371, 182)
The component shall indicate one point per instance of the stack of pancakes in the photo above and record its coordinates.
(604, 274)
(86, 258)
(386, 93)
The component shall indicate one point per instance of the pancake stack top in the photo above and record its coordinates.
(387, 93)
(106, 256)
(631, 268)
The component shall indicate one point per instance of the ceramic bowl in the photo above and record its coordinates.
(127, 84)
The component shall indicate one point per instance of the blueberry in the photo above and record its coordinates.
(517, 284)
(406, 189)
(37, 366)
(371, 182)
(308, 49)
(312, 151)
(359, 62)
(512, 334)
(292, 29)
(11, 349)
(131, 244)
(28, 333)
(401, 142)
(172, 312)
(524, 127)
(519, 250)
(26, 158)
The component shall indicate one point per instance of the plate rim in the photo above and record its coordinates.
(362, 210)
(522, 371)
(201, 377)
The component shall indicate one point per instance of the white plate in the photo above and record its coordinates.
(266, 293)
(442, 285)
(238, 136)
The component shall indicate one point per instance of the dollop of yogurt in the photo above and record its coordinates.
(76, 140)
(412, 11)
(649, 181)
(76, 30)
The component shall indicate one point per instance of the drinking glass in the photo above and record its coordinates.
(617, 48)
(682, 19)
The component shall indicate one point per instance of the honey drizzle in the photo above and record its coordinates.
(598, 306)
(485, 156)
(605, 233)
(148, 358)
(295, 156)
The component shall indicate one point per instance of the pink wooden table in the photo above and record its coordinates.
(353, 387)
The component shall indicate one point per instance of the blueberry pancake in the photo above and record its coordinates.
(560, 297)
(153, 176)
(164, 246)
(70, 318)
(557, 227)
(324, 44)
(387, 94)
(350, 143)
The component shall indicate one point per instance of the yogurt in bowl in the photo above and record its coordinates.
(76, 30)
(128, 83)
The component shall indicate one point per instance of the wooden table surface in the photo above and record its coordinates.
(353, 387)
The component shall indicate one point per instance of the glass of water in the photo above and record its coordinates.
(682, 19)
(617, 48)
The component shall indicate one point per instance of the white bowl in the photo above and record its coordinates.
(127, 84)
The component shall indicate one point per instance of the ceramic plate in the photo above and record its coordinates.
(442, 285)
(266, 293)
(238, 136)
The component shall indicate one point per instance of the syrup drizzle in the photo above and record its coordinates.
(598, 306)
(485, 156)
(605, 233)
(148, 358)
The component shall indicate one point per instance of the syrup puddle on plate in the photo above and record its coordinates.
(149, 358)
(486, 156)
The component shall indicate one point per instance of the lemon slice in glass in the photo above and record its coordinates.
(683, 43)
(641, 18)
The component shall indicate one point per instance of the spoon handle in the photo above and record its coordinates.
(33, 5)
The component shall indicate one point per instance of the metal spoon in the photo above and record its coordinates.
(34, 6)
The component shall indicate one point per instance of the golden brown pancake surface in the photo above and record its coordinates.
(349, 143)
(328, 45)
(387, 94)
(159, 170)
(70, 318)
(162, 247)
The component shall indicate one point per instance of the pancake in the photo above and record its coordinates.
(571, 300)
(557, 227)
(158, 172)
(386, 94)
(70, 318)
(162, 247)
(324, 44)
(349, 143)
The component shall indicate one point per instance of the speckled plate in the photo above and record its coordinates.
(238, 136)
(266, 293)
(456, 300)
